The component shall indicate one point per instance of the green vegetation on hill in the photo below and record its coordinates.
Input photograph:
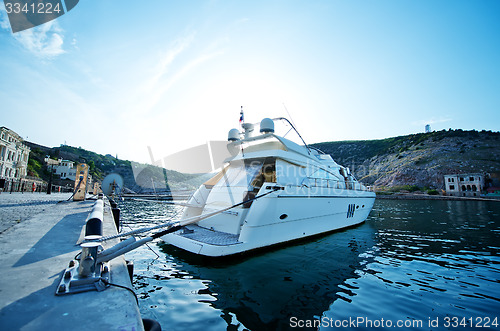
(99, 165)
(137, 177)
(35, 167)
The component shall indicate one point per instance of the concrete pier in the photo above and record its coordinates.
(35, 251)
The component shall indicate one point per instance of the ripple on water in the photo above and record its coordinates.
(411, 260)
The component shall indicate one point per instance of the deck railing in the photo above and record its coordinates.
(333, 183)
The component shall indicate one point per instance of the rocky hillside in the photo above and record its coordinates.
(419, 159)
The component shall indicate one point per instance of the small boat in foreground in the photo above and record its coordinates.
(271, 191)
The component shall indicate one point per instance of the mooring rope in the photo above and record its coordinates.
(182, 223)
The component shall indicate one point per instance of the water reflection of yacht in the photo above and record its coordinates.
(264, 292)
(272, 191)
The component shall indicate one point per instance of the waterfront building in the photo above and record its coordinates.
(464, 185)
(14, 156)
(65, 169)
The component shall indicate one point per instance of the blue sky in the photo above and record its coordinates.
(118, 76)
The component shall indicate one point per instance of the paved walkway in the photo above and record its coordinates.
(18, 207)
(33, 256)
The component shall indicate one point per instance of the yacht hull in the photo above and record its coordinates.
(276, 220)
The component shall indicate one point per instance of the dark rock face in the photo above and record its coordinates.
(421, 159)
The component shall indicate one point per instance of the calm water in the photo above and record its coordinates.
(427, 264)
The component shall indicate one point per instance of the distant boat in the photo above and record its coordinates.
(271, 191)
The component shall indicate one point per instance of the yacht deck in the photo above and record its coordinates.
(212, 237)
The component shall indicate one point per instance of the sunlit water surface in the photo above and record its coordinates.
(428, 264)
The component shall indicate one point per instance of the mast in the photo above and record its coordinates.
(242, 119)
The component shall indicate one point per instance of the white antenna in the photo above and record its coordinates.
(293, 127)
(291, 119)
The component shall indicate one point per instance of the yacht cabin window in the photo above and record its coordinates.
(248, 173)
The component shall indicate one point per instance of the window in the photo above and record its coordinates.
(471, 179)
(461, 179)
(320, 173)
(452, 187)
(240, 174)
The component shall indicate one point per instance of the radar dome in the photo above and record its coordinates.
(233, 135)
(267, 125)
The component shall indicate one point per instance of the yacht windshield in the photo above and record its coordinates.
(240, 174)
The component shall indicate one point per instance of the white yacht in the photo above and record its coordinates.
(271, 191)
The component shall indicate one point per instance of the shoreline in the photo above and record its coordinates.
(409, 196)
